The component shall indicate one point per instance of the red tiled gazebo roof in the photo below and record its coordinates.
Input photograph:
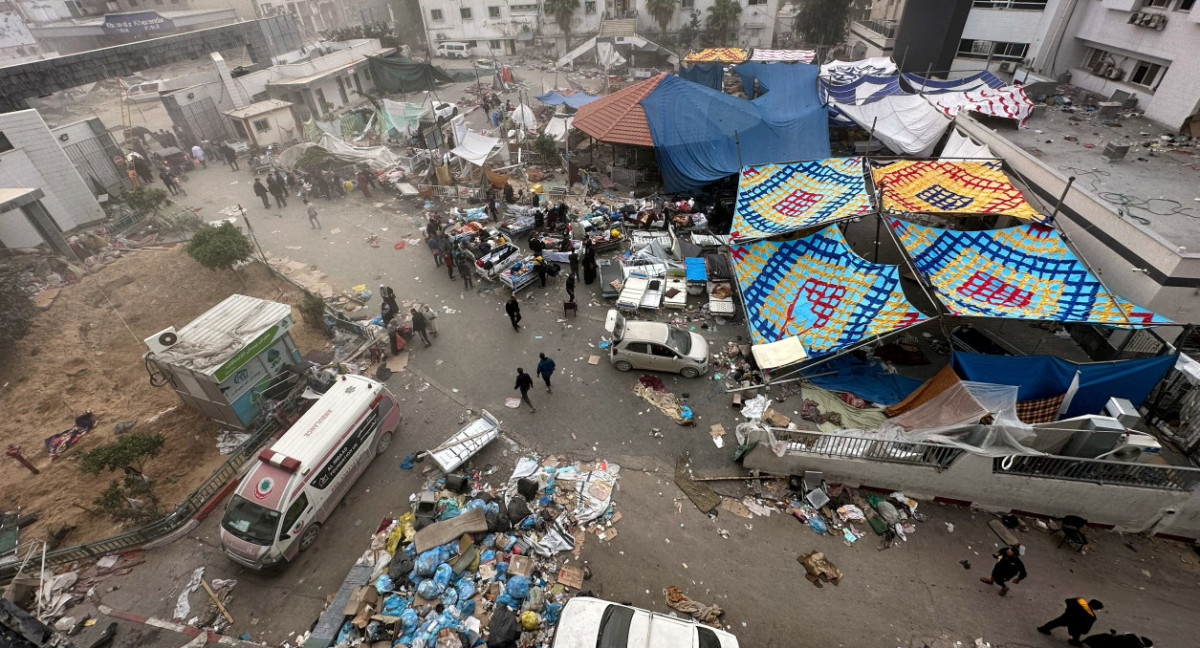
(618, 118)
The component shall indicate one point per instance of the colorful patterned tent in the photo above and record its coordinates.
(718, 55)
(816, 288)
(949, 187)
(1024, 272)
(782, 56)
(775, 199)
(984, 79)
(1008, 102)
(850, 71)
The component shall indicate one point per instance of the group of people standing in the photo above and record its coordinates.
(325, 184)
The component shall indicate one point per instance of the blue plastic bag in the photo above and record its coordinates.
(443, 576)
(552, 612)
(817, 524)
(394, 605)
(383, 583)
(426, 563)
(428, 589)
(409, 620)
(450, 597)
(517, 588)
(467, 609)
(466, 589)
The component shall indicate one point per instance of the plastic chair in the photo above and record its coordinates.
(1072, 530)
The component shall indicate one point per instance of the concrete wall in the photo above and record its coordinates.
(970, 478)
(68, 198)
(91, 147)
(1111, 245)
(17, 170)
(1177, 93)
(282, 127)
(929, 33)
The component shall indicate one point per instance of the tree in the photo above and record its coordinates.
(563, 12)
(146, 201)
(723, 16)
(822, 22)
(547, 147)
(662, 11)
(689, 30)
(219, 248)
(131, 499)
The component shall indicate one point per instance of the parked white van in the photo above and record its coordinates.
(453, 49)
(589, 622)
(639, 344)
(277, 510)
(145, 91)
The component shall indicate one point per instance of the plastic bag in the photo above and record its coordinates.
(443, 576)
(428, 589)
(383, 583)
(447, 508)
(530, 621)
(552, 612)
(466, 589)
(817, 524)
(450, 597)
(467, 609)
(504, 631)
(427, 563)
(517, 587)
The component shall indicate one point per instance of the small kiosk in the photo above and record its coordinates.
(225, 359)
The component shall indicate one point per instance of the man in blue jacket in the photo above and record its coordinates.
(545, 367)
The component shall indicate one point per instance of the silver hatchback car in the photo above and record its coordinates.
(655, 346)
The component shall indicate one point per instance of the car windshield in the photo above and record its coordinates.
(614, 627)
(708, 638)
(251, 522)
(680, 340)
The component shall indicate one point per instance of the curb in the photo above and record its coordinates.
(188, 630)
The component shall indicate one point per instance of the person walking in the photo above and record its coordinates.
(464, 269)
(260, 190)
(571, 288)
(277, 191)
(430, 319)
(419, 325)
(198, 154)
(230, 156)
(545, 367)
(514, 312)
(435, 247)
(491, 204)
(169, 182)
(1113, 640)
(524, 382)
(573, 259)
(1008, 567)
(361, 177)
(448, 259)
(1077, 619)
(389, 308)
(313, 223)
(539, 267)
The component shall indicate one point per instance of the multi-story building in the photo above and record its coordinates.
(17, 45)
(1146, 49)
(78, 25)
(320, 16)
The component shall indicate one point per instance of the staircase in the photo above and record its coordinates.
(622, 27)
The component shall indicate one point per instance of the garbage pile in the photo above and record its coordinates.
(473, 563)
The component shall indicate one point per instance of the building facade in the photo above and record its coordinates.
(1141, 48)
(328, 83)
(321, 16)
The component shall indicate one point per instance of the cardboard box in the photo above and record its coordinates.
(520, 565)
(775, 418)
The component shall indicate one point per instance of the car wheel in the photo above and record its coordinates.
(309, 536)
(622, 365)
(384, 442)
(689, 372)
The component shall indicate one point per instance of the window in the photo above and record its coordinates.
(662, 351)
(1185, 5)
(435, 15)
(708, 638)
(1158, 4)
(589, 7)
(756, 2)
(687, 4)
(637, 347)
(464, 13)
(493, 12)
(1146, 74)
(262, 125)
(522, 8)
(293, 515)
(494, 44)
(1035, 5)
(983, 49)
(1095, 57)
(472, 44)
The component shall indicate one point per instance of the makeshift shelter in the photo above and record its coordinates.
(774, 199)
(395, 74)
(862, 90)
(523, 117)
(476, 148)
(711, 75)
(1088, 385)
(849, 71)
(1009, 102)
(906, 124)
(977, 81)
(718, 55)
(818, 290)
(378, 158)
(949, 187)
(960, 146)
(402, 117)
(1024, 272)
(782, 56)
(572, 98)
(701, 135)
(864, 378)
(619, 118)
(559, 127)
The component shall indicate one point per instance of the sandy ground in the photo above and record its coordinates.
(85, 352)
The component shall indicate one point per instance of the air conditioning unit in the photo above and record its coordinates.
(162, 340)
(1116, 74)
(1134, 18)
(1008, 67)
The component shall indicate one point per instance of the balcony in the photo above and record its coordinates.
(880, 33)
(1016, 5)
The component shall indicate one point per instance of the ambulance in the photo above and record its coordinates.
(277, 510)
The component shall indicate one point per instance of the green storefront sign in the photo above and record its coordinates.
(250, 350)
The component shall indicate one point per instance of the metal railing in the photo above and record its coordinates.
(171, 521)
(887, 28)
(851, 447)
(1100, 471)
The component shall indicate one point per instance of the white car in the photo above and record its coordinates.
(638, 344)
(590, 622)
(444, 110)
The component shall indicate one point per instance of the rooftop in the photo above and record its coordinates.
(618, 118)
(1157, 183)
(211, 340)
(259, 108)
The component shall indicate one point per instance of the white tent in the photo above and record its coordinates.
(960, 146)
(523, 117)
(476, 148)
(558, 127)
(376, 157)
(906, 124)
(849, 71)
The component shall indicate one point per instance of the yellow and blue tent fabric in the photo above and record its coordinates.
(775, 199)
(949, 187)
(1024, 272)
(816, 288)
(718, 55)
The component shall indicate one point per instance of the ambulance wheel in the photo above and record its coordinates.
(622, 365)
(384, 442)
(689, 372)
(309, 536)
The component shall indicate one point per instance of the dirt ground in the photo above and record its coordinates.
(85, 352)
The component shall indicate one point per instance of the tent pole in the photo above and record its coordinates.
(1062, 198)
(738, 144)
(928, 73)
(903, 59)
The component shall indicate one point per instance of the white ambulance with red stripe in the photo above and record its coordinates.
(277, 510)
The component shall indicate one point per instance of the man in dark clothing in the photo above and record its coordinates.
(277, 191)
(1077, 619)
(464, 269)
(571, 288)
(491, 204)
(535, 199)
(419, 324)
(261, 191)
(573, 259)
(169, 181)
(1114, 640)
(545, 367)
(1008, 565)
(448, 259)
(539, 266)
(514, 312)
(524, 382)
(509, 196)
(536, 244)
(435, 246)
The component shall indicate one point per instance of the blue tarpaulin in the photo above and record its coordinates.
(574, 100)
(706, 74)
(696, 271)
(1045, 376)
(864, 379)
(701, 135)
